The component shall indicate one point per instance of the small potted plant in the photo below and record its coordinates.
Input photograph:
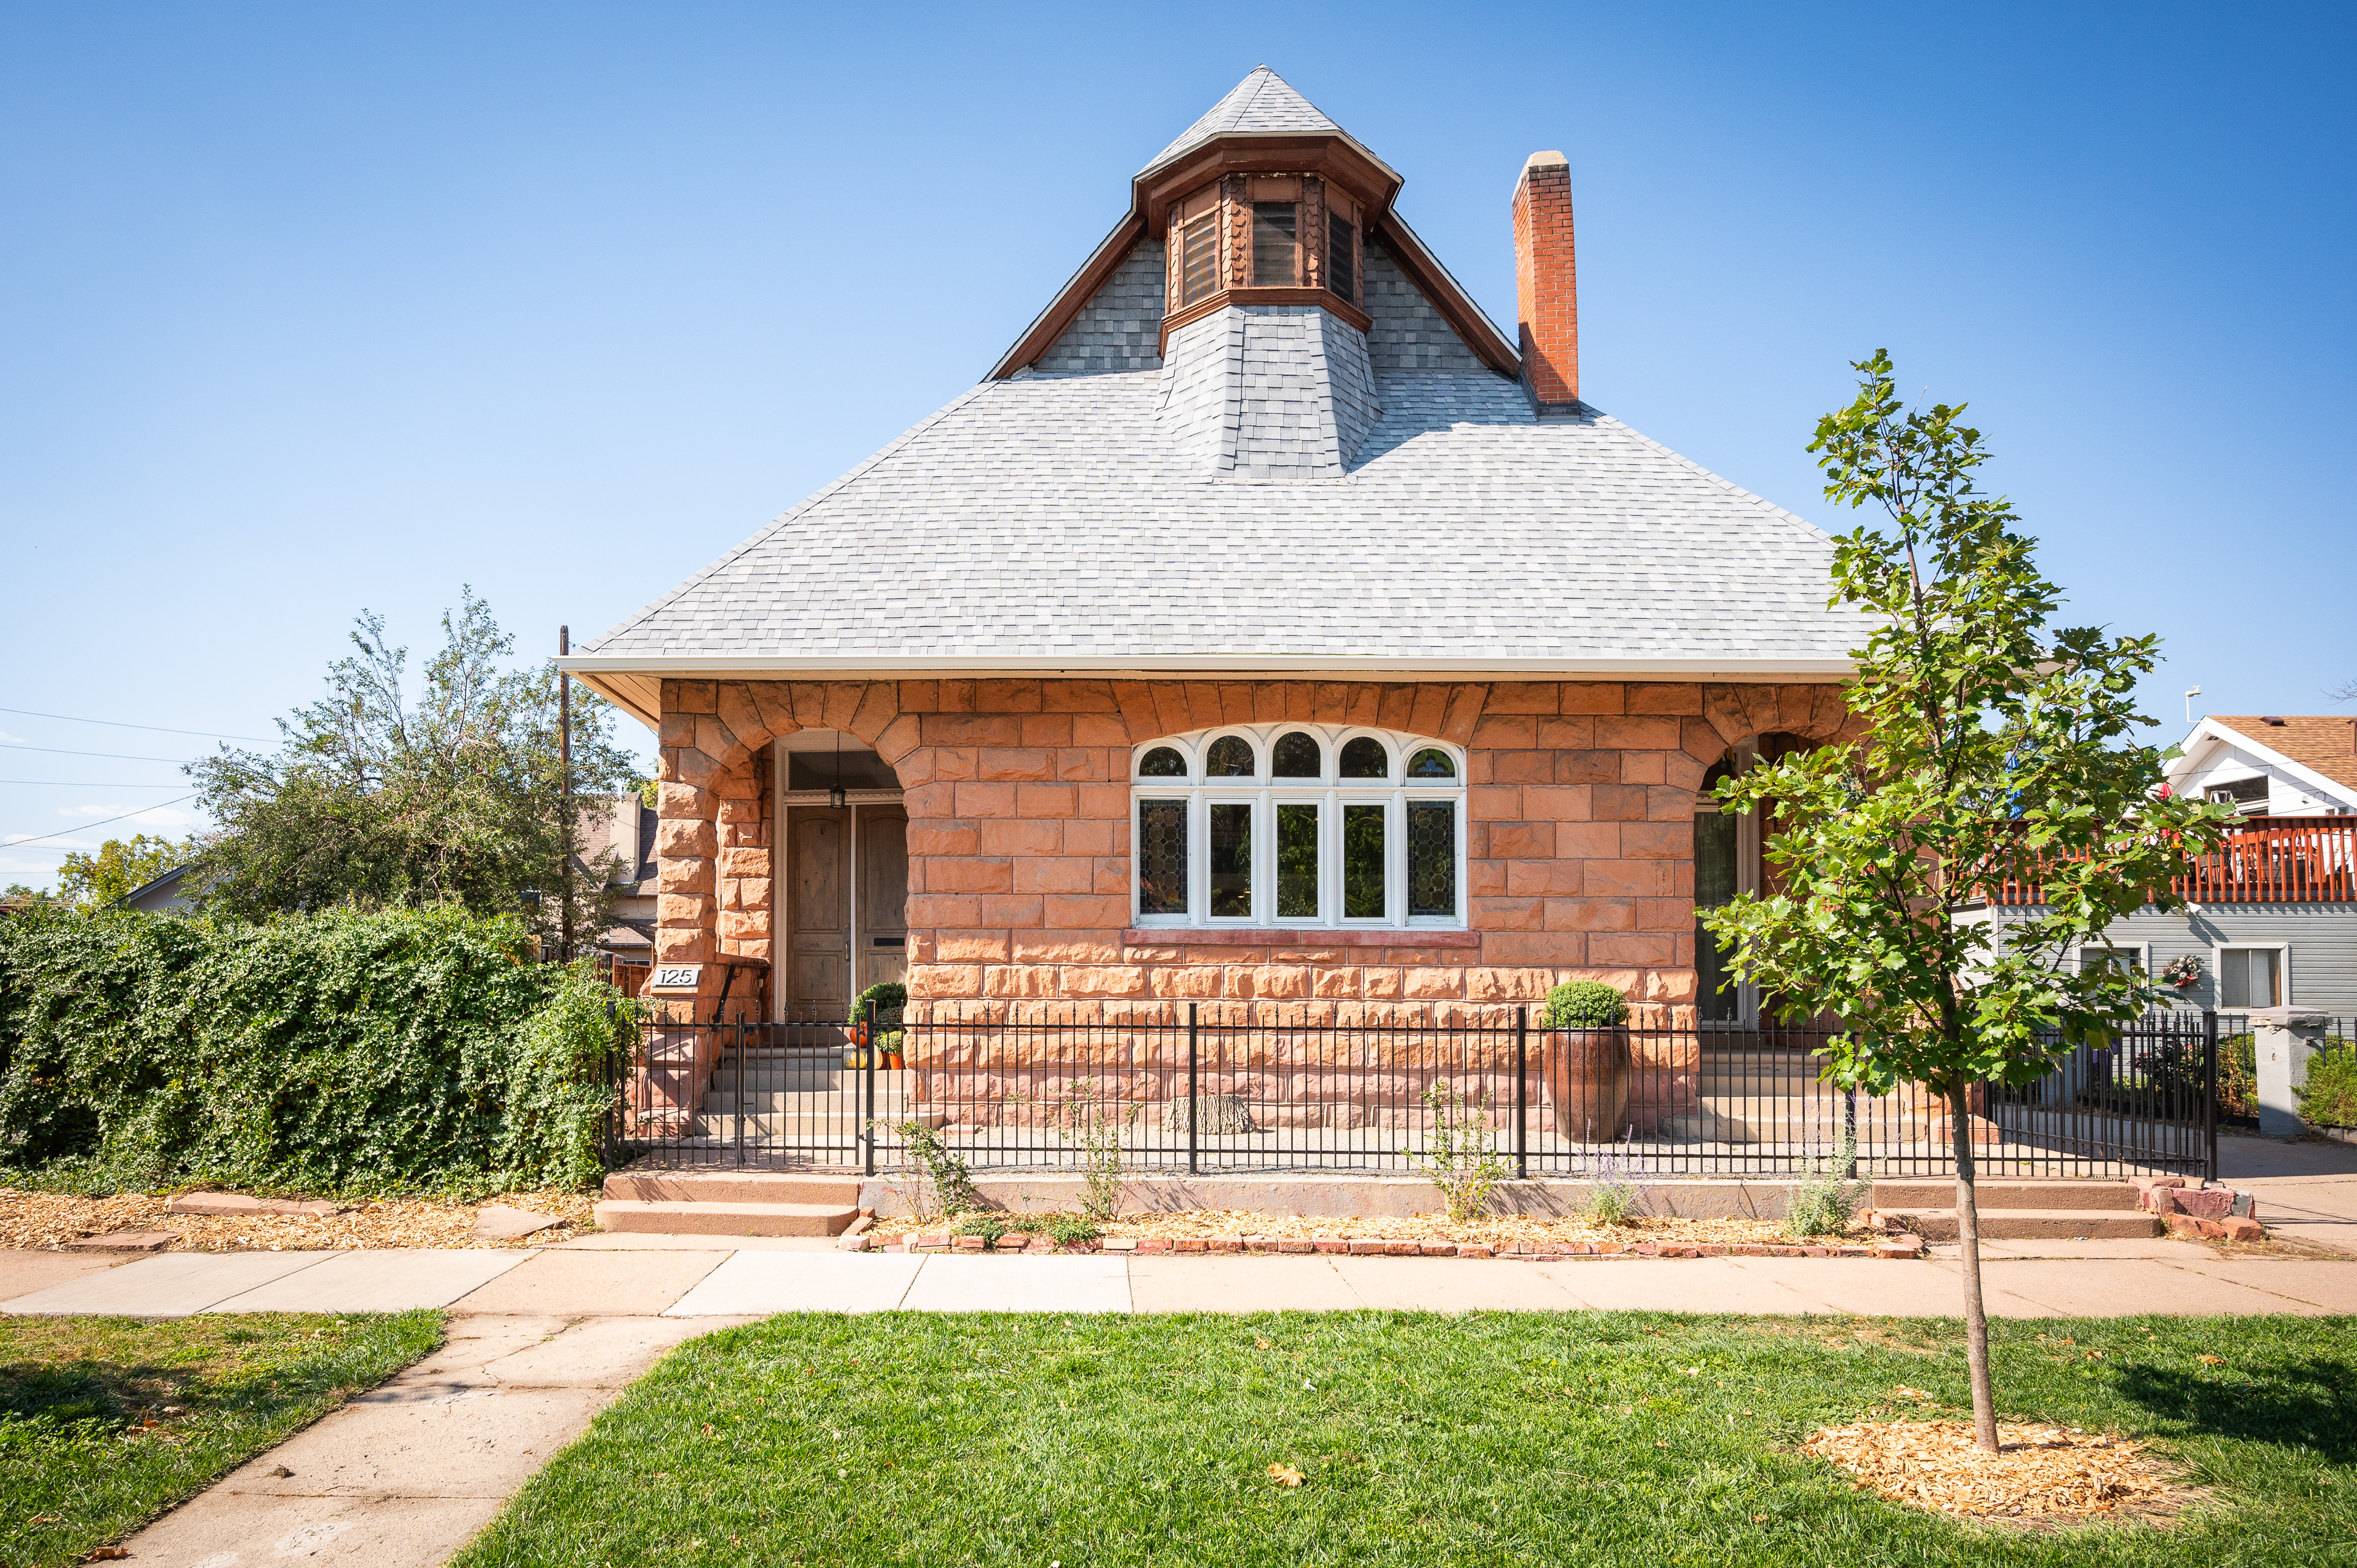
(890, 998)
(2183, 972)
(1587, 1059)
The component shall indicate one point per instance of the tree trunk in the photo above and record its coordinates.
(1968, 1247)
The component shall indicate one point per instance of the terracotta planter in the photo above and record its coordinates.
(1588, 1076)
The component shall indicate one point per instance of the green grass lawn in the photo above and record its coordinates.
(1493, 1438)
(106, 1420)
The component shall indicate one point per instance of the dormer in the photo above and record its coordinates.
(1284, 236)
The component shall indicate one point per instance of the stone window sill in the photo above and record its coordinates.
(1295, 937)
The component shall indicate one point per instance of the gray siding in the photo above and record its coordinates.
(2322, 940)
(1408, 333)
(1119, 329)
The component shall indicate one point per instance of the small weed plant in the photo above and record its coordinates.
(1826, 1200)
(1098, 1132)
(946, 1185)
(1461, 1154)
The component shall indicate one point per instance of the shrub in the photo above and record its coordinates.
(1066, 1229)
(1099, 1135)
(1826, 1200)
(1461, 1154)
(2238, 1077)
(891, 999)
(1585, 1005)
(1613, 1194)
(338, 1052)
(2328, 1098)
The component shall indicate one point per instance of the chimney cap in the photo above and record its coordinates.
(1546, 160)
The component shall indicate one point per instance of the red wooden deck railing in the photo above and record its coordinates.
(2279, 860)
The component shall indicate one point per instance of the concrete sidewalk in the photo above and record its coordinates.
(688, 1278)
(2305, 1192)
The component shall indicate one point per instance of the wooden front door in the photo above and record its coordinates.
(883, 894)
(818, 914)
(846, 904)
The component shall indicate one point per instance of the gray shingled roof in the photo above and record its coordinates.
(1049, 516)
(1263, 102)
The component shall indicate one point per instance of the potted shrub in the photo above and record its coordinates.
(1587, 1060)
(891, 998)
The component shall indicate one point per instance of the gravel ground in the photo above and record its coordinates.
(44, 1222)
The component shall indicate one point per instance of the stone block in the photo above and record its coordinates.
(686, 837)
(684, 874)
(969, 874)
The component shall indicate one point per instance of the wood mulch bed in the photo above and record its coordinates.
(45, 1221)
(1499, 1231)
(2041, 1473)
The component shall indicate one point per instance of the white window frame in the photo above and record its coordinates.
(1330, 793)
(2143, 952)
(2218, 951)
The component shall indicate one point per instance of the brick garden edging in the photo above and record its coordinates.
(1899, 1245)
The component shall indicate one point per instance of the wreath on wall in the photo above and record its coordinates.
(2183, 972)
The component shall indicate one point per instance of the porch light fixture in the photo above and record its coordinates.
(836, 796)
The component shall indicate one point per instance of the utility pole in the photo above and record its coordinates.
(564, 790)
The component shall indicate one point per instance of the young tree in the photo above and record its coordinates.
(376, 799)
(120, 866)
(1992, 743)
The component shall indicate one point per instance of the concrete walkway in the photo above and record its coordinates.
(541, 1341)
(2305, 1192)
(687, 1278)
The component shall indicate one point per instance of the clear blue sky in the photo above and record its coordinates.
(311, 308)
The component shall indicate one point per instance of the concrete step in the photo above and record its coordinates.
(830, 1101)
(1939, 1192)
(730, 1186)
(724, 1218)
(2029, 1224)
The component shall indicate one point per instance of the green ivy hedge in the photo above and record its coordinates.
(335, 1053)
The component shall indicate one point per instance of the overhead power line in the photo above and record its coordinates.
(118, 755)
(119, 724)
(91, 783)
(85, 827)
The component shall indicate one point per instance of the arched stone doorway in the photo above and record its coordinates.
(842, 866)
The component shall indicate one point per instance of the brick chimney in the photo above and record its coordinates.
(1546, 281)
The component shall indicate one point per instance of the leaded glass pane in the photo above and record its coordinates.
(1230, 757)
(1273, 244)
(1341, 272)
(1296, 862)
(1163, 762)
(1362, 863)
(1162, 857)
(1365, 758)
(1431, 763)
(1200, 257)
(1714, 858)
(1431, 857)
(1296, 756)
(1232, 861)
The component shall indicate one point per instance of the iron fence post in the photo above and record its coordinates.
(1522, 1093)
(1194, 1100)
(867, 1100)
(739, 1104)
(2209, 1095)
(1849, 1133)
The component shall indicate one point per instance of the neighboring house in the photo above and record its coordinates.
(161, 896)
(622, 828)
(1265, 627)
(2273, 917)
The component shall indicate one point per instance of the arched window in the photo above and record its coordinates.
(1331, 834)
(1296, 756)
(1366, 759)
(1231, 757)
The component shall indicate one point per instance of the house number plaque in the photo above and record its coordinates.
(676, 977)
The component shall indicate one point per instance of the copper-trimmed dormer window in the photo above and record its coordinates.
(1265, 239)
(1341, 257)
(1275, 254)
(1200, 257)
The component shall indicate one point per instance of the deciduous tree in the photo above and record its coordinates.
(1992, 742)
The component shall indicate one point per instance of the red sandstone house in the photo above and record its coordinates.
(1267, 628)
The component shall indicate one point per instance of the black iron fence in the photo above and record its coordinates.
(1210, 1089)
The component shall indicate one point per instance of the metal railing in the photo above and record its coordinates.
(1210, 1089)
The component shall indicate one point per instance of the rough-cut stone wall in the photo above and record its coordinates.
(1580, 798)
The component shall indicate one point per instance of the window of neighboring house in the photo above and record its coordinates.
(1341, 249)
(1273, 259)
(2250, 977)
(1299, 825)
(1198, 254)
(2130, 957)
(2248, 796)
